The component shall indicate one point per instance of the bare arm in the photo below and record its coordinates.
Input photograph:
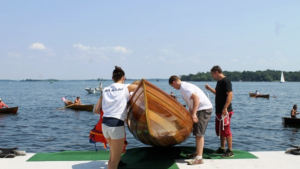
(132, 87)
(210, 89)
(5, 105)
(98, 107)
(228, 101)
(294, 112)
(193, 112)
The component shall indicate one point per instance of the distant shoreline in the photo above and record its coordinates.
(55, 80)
(8, 80)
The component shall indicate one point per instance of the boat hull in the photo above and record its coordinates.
(93, 90)
(11, 110)
(289, 120)
(157, 119)
(260, 95)
(81, 107)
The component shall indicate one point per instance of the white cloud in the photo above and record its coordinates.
(81, 47)
(169, 52)
(38, 46)
(121, 49)
(15, 55)
(118, 49)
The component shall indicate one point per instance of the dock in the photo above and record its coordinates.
(69, 160)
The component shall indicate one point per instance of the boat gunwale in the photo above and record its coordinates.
(13, 110)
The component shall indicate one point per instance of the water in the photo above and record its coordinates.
(39, 127)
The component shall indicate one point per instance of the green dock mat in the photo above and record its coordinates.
(145, 157)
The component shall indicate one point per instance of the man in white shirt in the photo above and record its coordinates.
(200, 109)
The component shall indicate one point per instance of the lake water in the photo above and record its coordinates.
(39, 127)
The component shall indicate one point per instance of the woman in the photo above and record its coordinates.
(113, 102)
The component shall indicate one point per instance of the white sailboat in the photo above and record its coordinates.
(282, 78)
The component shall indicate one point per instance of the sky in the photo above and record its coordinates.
(67, 39)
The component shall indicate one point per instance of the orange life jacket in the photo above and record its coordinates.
(96, 134)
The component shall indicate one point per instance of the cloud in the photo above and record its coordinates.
(38, 46)
(118, 49)
(169, 52)
(81, 47)
(14, 55)
(121, 49)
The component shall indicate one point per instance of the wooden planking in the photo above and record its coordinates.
(157, 119)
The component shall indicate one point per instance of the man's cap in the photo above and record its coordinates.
(0, 98)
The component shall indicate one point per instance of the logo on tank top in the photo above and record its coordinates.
(113, 90)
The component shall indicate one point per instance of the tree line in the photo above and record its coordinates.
(248, 76)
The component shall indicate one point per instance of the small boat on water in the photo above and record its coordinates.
(155, 118)
(289, 120)
(11, 110)
(259, 95)
(282, 78)
(86, 107)
(93, 90)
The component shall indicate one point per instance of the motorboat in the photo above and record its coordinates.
(93, 90)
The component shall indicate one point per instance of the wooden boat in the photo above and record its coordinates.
(11, 110)
(86, 107)
(155, 118)
(260, 95)
(289, 120)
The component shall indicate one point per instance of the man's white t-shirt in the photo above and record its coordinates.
(187, 89)
(114, 102)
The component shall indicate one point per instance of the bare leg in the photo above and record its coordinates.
(229, 142)
(199, 145)
(222, 139)
(116, 148)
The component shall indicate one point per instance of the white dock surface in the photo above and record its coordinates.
(266, 160)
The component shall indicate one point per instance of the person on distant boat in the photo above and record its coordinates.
(77, 101)
(100, 86)
(294, 111)
(224, 112)
(2, 104)
(200, 109)
(172, 95)
(113, 103)
(256, 93)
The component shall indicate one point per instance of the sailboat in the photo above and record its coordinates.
(282, 78)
